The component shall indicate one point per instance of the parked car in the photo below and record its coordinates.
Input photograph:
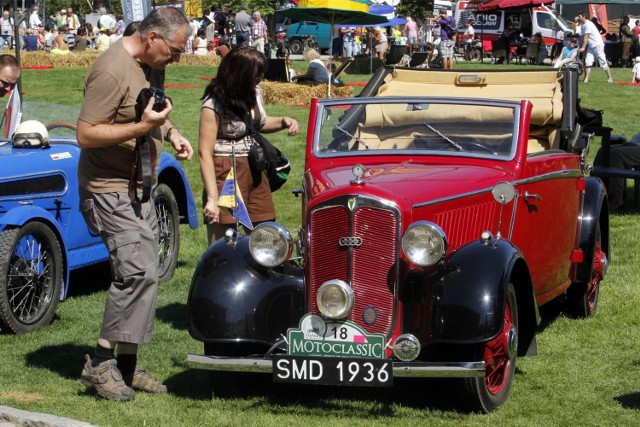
(440, 210)
(43, 236)
(301, 34)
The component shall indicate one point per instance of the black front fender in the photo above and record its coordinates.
(469, 296)
(233, 299)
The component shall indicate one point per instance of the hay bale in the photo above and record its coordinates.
(298, 94)
(86, 58)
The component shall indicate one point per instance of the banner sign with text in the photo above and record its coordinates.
(135, 10)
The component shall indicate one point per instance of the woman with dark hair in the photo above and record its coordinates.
(230, 101)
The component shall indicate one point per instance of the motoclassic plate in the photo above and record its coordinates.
(315, 337)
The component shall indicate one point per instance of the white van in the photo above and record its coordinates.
(527, 21)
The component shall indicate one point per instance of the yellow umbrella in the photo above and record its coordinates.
(333, 12)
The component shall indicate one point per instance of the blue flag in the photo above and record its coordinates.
(231, 198)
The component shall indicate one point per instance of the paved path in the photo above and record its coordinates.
(10, 417)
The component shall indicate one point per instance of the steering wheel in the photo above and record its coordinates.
(477, 145)
(61, 124)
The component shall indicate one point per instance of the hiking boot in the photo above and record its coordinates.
(143, 381)
(106, 380)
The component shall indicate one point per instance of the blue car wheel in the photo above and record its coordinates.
(31, 276)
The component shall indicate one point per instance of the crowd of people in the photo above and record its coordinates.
(61, 33)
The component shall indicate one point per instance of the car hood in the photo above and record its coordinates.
(417, 183)
(28, 161)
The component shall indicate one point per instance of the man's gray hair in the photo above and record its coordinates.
(165, 21)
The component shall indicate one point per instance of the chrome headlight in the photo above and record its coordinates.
(335, 299)
(424, 243)
(270, 244)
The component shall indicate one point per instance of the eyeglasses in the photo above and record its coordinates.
(7, 85)
(174, 51)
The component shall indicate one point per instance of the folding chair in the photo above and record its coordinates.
(277, 70)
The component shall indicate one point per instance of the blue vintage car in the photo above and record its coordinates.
(43, 236)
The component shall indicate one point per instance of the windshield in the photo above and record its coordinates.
(60, 119)
(564, 24)
(423, 126)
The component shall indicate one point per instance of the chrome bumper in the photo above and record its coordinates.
(400, 369)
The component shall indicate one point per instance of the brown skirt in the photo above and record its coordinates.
(257, 199)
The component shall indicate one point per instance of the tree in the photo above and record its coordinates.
(417, 9)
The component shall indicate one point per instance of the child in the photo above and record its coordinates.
(568, 55)
(635, 78)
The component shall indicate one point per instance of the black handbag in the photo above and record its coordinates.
(589, 118)
(264, 155)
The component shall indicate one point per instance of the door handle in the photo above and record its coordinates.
(528, 196)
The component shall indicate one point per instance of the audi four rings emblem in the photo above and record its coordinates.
(350, 241)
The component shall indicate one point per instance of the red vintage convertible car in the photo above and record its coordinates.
(440, 210)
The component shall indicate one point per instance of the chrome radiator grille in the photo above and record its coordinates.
(370, 268)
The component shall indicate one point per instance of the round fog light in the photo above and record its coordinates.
(335, 299)
(406, 348)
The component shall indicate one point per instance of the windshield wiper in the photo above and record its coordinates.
(446, 138)
(358, 140)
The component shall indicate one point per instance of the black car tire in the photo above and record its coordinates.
(489, 392)
(31, 268)
(169, 231)
(476, 54)
(582, 298)
(296, 47)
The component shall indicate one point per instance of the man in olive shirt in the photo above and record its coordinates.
(107, 132)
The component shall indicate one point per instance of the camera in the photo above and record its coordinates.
(159, 100)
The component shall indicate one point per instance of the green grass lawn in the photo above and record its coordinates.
(587, 372)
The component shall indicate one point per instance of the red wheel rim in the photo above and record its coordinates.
(496, 356)
(598, 273)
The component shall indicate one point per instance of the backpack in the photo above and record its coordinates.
(451, 32)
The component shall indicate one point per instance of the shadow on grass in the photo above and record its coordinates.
(87, 280)
(629, 401)
(65, 359)
(174, 314)
(190, 384)
(431, 394)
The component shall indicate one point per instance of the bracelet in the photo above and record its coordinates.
(283, 123)
(166, 137)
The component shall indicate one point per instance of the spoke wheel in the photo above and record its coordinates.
(499, 355)
(169, 231)
(296, 47)
(31, 267)
(582, 298)
(476, 54)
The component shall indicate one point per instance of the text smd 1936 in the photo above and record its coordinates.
(333, 371)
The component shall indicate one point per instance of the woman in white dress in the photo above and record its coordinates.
(200, 43)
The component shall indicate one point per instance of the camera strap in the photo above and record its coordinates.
(141, 166)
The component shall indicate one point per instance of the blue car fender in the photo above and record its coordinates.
(172, 174)
(470, 293)
(20, 215)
